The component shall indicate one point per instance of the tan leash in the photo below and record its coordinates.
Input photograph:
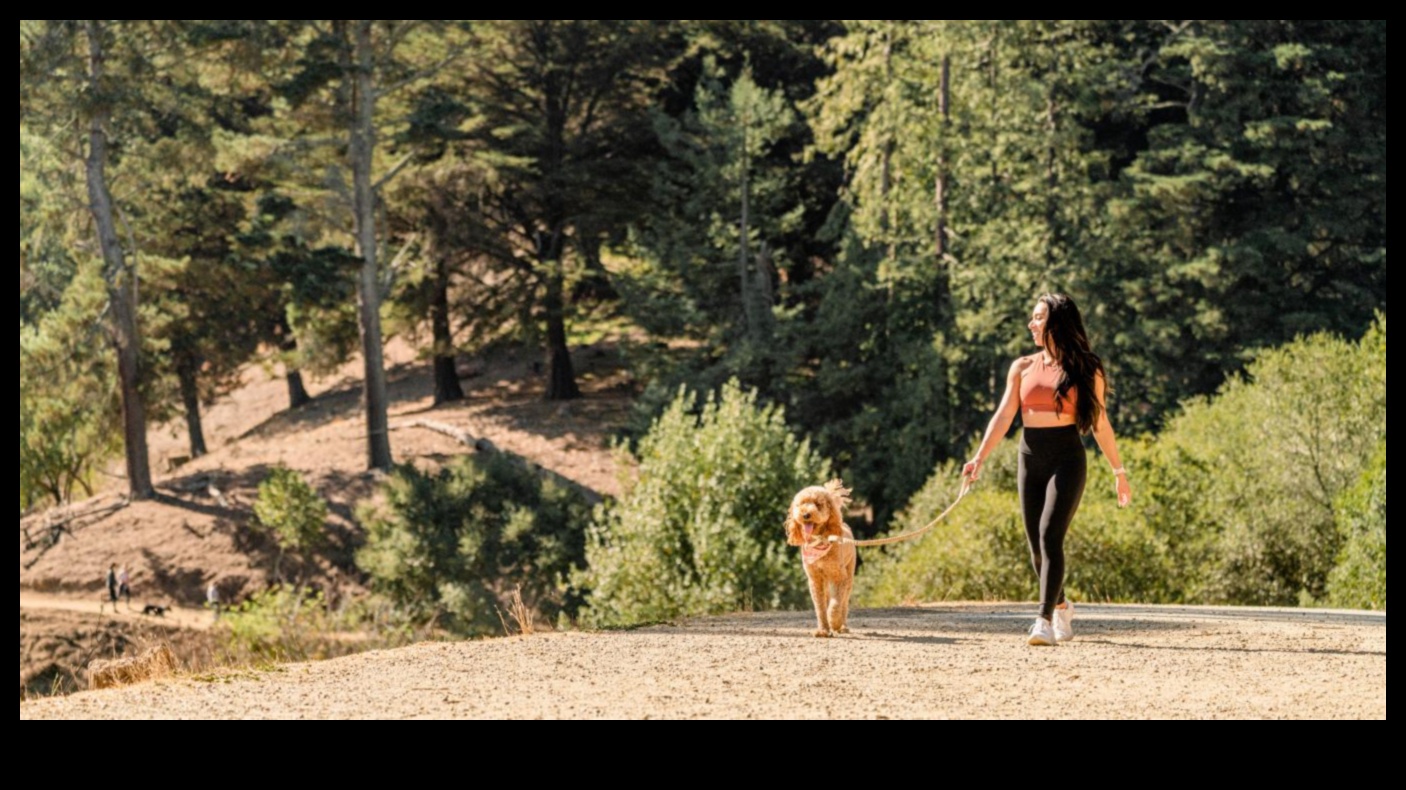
(966, 487)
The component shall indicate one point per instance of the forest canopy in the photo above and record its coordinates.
(847, 219)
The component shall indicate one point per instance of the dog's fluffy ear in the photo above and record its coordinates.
(839, 498)
(793, 530)
(839, 492)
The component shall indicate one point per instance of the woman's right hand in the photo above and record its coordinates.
(971, 471)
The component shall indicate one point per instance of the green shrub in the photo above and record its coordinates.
(458, 545)
(979, 552)
(279, 624)
(292, 512)
(1358, 580)
(286, 623)
(699, 530)
(1242, 486)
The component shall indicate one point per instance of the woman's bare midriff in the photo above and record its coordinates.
(1031, 418)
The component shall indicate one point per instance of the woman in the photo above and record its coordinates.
(111, 582)
(124, 588)
(212, 598)
(1059, 394)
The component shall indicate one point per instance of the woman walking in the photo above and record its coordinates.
(1059, 393)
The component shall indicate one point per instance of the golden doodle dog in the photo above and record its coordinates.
(817, 514)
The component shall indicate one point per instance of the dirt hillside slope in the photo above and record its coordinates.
(199, 527)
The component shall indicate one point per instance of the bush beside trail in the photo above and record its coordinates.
(1266, 494)
(979, 552)
(468, 543)
(1358, 581)
(700, 529)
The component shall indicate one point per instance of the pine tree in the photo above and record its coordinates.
(559, 129)
(118, 81)
(330, 80)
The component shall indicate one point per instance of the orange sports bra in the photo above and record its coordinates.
(1038, 386)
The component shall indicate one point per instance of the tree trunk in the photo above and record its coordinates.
(765, 292)
(362, 144)
(940, 248)
(190, 399)
(551, 245)
(940, 188)
(886, 167)
(1052, 184)
(121, 281)
(297, 393)
(561, 375)
(446, 375)
(595, 284)
(744, 247)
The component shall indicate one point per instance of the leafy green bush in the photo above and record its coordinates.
(1240, 500)
(699, 531)
(287, 623)
(292, 512)
(275, 624)
(980, 552)
(457, 545)
(1243, 486)
(1359, 578)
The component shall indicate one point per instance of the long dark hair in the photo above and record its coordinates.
(1068, 344)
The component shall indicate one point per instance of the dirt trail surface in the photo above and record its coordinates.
(183, 616)
(957, 661)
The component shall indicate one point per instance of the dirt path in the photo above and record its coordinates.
(959, 661)
(175, 615)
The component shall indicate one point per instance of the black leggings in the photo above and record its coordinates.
(1053, 469)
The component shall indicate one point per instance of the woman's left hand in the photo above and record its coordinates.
(971, 470)
(1125, 491)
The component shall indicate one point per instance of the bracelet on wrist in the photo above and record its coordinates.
(1121, 471)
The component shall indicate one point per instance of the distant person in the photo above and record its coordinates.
(124, 588)
(212, 598)
(1059, 393)
(111, 589)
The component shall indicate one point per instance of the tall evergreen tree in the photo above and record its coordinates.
(214, 307)
(561, 123)
(724, 206)
(330, 79)
(433, 211)
(1257, 202)
(118, 81)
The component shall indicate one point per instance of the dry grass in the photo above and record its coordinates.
(154, 662)
(521, 614)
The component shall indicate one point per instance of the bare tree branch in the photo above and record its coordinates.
(425, 73)
(393, 172)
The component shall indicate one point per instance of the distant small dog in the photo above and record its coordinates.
(154, 610)
(816, 515)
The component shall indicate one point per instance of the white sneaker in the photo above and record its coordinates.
(1041, 633)
(1064, 623)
